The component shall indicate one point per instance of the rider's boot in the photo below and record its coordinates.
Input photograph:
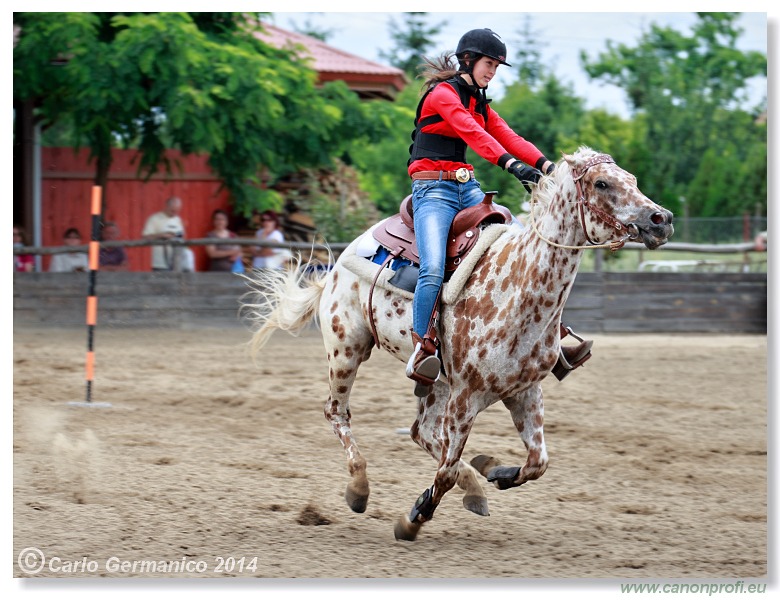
(424, 365)
(571, 357)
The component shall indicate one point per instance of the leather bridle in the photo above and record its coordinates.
(599, 214)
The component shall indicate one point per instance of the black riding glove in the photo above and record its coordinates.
(527, 175)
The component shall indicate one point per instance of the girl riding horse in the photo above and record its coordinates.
(454, 114)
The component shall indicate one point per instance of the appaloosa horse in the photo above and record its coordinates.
(499, 337)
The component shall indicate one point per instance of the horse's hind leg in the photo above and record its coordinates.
(426, 433)
(344, 358)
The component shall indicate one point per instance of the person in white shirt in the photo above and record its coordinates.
(70, 262)
(269, 258)
(166, 225)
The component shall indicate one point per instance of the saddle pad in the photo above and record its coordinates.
(366, 269)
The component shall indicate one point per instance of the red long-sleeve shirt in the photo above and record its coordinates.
(496, 142)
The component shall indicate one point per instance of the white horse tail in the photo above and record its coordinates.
(286, 300)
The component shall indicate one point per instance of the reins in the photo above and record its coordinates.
(611, 221)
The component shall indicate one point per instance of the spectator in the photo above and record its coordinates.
(269, 258)
(112, 259)
(760, 242)
(23, 263)
(166, 225)
(73, 261)
(222, 257)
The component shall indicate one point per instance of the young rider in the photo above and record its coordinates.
(454, 114)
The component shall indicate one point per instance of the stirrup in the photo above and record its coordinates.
(424, 365)
(571, 357)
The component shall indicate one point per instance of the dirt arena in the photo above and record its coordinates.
(208, 464)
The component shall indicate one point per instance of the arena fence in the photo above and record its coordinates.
(605, 302)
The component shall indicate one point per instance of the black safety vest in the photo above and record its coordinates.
(443, 147)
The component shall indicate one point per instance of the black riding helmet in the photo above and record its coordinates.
(481, 42)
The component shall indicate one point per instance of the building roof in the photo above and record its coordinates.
(368, 79)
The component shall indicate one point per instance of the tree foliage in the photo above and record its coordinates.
(383, 164)
(200, 82)
(413, 40)
(205, 82)
(690, 90)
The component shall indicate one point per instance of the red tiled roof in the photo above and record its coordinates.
(367, 78)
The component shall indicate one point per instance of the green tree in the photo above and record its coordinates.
(602, 131)
(688, 89)
(549, 116)
(528, 61)
(413, 40)
(199, 82)
(750, 192)
(382, 166)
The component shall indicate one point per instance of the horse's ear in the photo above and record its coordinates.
(568, 158)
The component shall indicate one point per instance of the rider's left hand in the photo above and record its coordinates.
(527, 175)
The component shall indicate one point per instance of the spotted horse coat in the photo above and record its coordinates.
(500, 337)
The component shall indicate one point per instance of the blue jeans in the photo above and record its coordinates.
(435, 205)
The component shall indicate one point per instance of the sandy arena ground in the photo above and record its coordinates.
(658, 451)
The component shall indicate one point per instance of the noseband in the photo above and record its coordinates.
(599, 214)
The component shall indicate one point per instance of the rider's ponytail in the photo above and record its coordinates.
(438, 69)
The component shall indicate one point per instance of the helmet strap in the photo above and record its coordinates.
(467, 68)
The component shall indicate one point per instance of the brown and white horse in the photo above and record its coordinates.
(499, 336)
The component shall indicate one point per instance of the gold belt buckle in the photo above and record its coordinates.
(462, 175)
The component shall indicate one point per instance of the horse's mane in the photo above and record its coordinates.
(560, 179)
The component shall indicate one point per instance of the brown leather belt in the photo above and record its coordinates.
(462, 175)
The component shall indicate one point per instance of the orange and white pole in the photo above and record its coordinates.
(94, 264)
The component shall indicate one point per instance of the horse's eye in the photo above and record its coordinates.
(601, 184)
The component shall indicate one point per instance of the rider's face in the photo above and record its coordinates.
(484, 70)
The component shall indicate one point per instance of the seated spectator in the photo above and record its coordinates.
(222, 257)
(23, 263)
(270, 258)
(70, 262)
(112, 259)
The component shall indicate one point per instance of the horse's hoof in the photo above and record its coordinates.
(405, 530)
(483, 464)
(476, 504)
(504, 477)
(357, 501)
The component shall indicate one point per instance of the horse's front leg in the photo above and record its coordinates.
(459, 416)
(527, 412)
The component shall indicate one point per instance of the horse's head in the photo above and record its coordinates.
(611, 207)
